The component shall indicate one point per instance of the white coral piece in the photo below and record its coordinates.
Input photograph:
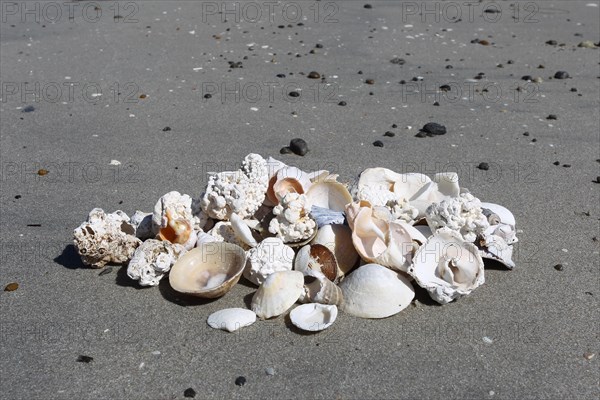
(144, 228)
(223, 232)
(462, 214)
(178, 206)
(105, 238)
(271, 255)
(241, 192)
(292, 222)
(402, 210)
(152, 260)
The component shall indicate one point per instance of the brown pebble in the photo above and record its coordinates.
(42, 172)
(314, 75)
(11, 287)
(370, 81)
(143, 96)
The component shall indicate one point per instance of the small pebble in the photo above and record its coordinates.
(561, 75)
(270, 371)
(42, 172)
(166, 129)
(342, 103)
(319, 46)
(552, 116)
(18, 196)
(389, 134)
(488, 340)
(285, 150)
(299, 146)
(436, 103)
(525, 133)
(587, 44)
(394, 126)
(208, 96)
(552, 42)
(370, 81)
(240, 381)
(589, 356)
(294, 94)
(483, 166)
(189, 392)
(398, 61)
(556, 163)
(368, 6)
(28, 109)
(558, 267)
(573, 89)
(85, 359)
(567, 165)
(378, 143)
(527, 77)
(314, 75)
(433, 129)
(280, 75)
(597, 179)
(483, 42)
(445, 88)
(11, 287)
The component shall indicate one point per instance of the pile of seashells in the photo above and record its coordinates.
(305, 237)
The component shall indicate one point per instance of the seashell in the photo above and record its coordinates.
(506, 223)
(495, 248)
(178, 231)
(287, 180)
(231, 319)
(319, 258)
(209, 271)
(374, 291)
(179, 207)
(319, 289)
(204, 237)
(409, 184)
(443, 187)
(242, 230)
(152, 260)
(105, 238)
(447, 266)
(313, 317)
(447, 183)
(325, 216)
(505, 216)
(338, 239)
(424, 229)
(328, 194)
(277, 294)
(223, 232)
(269, 256)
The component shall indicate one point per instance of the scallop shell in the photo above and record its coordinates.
(277, 294)
(319, 258)
(319, 289)
(374, 291)
(313, 317)
(231, 319)
(447, 266)
(328, 194)
(209, 271)
(338, 239)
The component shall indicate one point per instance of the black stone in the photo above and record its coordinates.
(314, 75)
(394, 126)
(483, 166)
(342, 103)
(280, 75)
(402, 82)
(556, 163)
(552, 42)
(433, 129)
(445, 88)
(368, 6)
(370, 81)
(398, 61)
(166, 129)
(18, 196)
(85, 359)
(421, 134)
(378, 143)
(285, 150)
(436, 103)
(527, 77)
(573, 89)
(208, 96)
(189, 392)
(567, 165)
(28, 109)
(559, 267)
(240, 381)
(525, 133)
(561, 75)
(552, 116)
(294, 94)
(389, 134)
(299, 146)
(319, 46)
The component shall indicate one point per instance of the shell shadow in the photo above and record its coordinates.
(69, 258)
(422, 296)
(180, 299)
(248, 300)
(245, 282)
(123, 280)
(494, 265)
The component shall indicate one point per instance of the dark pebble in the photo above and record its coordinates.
(449, 66)
(319, 46)
(280, 75)
(189, 392)
(527, 77)
(314, 75)
(483, 166)
(370, 81)
(360, 72)
(28, 109)
(561, 75)
(368, 6)
(394, 126)
(541, 66)
(533, 140)
(389, 134)
(18, 196)
(166, 129)
(433, 129)
(573, 89)
(399, 61)
(445, 88)
(597, 179)
(85, 359)
(492, 10)
(378, 143)
(436, 103)
(525, 133)
(552, 116)
(556, 163)
(240, 381)
(285, 150)
(484, 42)
(208, 96)
(421, 134)
(298, 146)
(510, 62)
(552, 42)
(371, 93)
(559, 267)
(402, 82)
(567, 165)
(342, 103)
(294, 94)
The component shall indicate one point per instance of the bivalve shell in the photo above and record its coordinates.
(277, 294)
(231, 319)
(313, 317)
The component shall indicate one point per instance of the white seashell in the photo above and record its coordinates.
(319, 289)
(447, 183)
(374, 291)
(506, 228)
(152, 260)
(277, 294)
(269, 256)
(504, 213)
(204, 237)
(313, 317)
(328, 194)
(317, 257)
(242, 230)
(105, 238)
(209, 271)
(495, 248)
(338, 239)
(223, 232)
(443, 187)
(409, 184)
(231, 319)
(287, 180)
(447, 266)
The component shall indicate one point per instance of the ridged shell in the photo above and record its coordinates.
(319, 289)
(277, 293)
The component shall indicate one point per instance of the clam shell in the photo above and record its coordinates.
(231, 319)
(313, 317)
(328, 194)
(277, 294)
(319, 258)
(374, 291)
(319, 289)
(209, 271)
(338, 239)
(447, 266)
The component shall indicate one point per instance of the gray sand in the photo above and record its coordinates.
(526, 334)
